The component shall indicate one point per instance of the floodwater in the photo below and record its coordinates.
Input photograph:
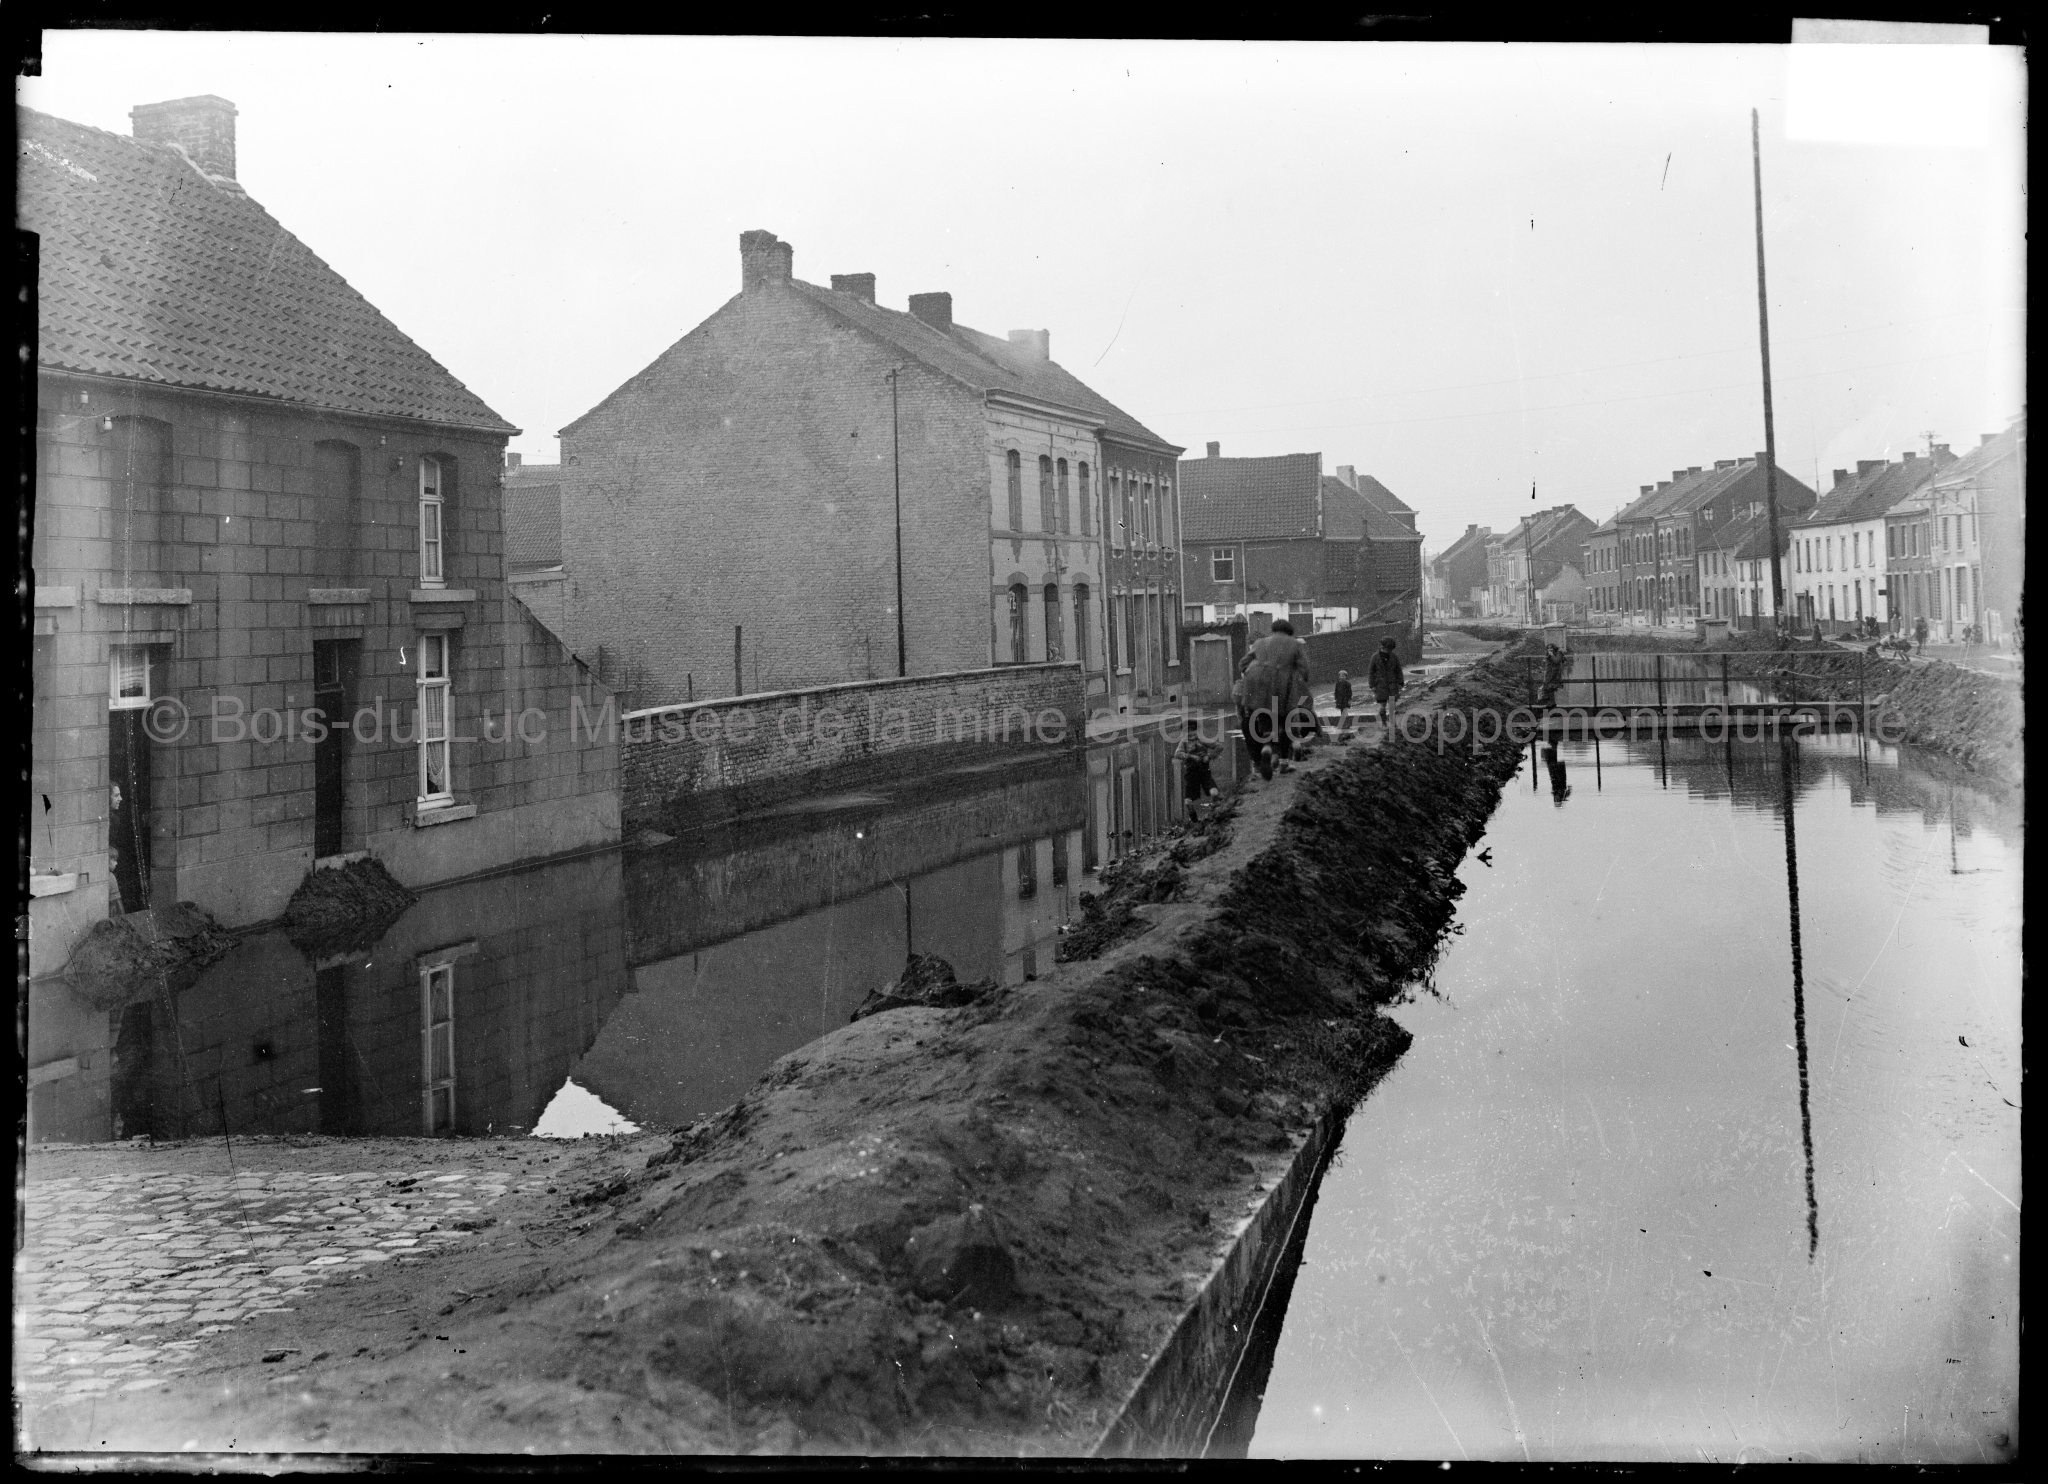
(1708, 1143)
(632, 989)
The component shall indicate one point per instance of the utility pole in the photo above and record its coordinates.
(1763, 322)
(896, 450)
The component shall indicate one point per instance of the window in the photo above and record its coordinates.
(1172, 629)
(1016, 463)
(1145, 525)
(128, 678)
(1191, 613)
(431, 570)
(141, 454)
(1223, 563)
(1048, 518)
(1166, 529)
(1027, 871)
(1062, 508)
(1059, 861)
(1303, 617)
(437, 1048)
(1116, 604)
(1052, 622)
(1081, 624)
(1225, 612)
(1130, 509)
(432, 722)
(1130, 647)
(1019, 640)
(1087, 503)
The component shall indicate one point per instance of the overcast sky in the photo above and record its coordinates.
(1462, 268)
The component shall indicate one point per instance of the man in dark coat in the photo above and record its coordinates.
(1386, 677)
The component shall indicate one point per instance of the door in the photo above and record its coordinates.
(128, 766)
(134, 1073)
(331, 663)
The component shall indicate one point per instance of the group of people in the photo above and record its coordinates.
(1276, 711)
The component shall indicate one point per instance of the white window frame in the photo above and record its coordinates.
(443, 1031)
(1220, 554)
(433, 528)
(436, 693)
(115, 661)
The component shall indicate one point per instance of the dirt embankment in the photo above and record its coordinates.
(1977, 719)
(964, 1229)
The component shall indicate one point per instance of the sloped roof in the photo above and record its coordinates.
(1747, 536)
(1867, 495)
(1990, 451)
(1246, 499)
(1381, 498)
(533, 517)
(1478, 536)
(155, 272)
(1344, 511)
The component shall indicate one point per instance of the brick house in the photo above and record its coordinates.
(1461, 568)
(1597, 561)
(730, 515)
(1837, 577)
(1967, 559)
(1660, 532)
(1279, 538)
(256, 497)
(533, 540)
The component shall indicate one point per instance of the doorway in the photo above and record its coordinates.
(128, 769)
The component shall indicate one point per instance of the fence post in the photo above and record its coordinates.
(1593, 667)
(1660, 681)
(1726, 694)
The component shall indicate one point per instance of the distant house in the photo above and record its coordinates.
(258, 499)
(1598, 562)
(1563, 598)
(1734, 569)
(1527, 558)
(1660, 532)
(1276, 536)
(1461, 568)
(1967, 560)
(533, 539)
(733, 514)
(1838, 551)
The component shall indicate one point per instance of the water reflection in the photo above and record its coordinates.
(1576, 1219)
(658, 983)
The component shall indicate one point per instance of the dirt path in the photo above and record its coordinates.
(933, 1231)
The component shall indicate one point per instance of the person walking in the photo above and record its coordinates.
(1920, 632)
(1386, 677)
(1198, 779)
(1275, 673)
(1343, 699)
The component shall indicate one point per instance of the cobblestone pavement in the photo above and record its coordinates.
(122, 1276)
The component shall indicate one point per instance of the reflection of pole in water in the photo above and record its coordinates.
(1788, 760)
(1596, 760)
(1560, 790)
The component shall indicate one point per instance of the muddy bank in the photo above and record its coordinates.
(1977, 719)
(158, 952)
(340, 909)
(957, 1229)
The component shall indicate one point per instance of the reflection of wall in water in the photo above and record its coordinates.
(1134, 791)
(711, 888)
(700, 1028)
(280, 1045)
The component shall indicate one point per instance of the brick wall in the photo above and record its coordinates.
(746, 478)
(252, 543)
(1353, 649)
(715, 758)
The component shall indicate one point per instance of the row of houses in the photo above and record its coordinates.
(296, 605)
(1526, 574)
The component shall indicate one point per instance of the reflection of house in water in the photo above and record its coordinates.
(464, 1017)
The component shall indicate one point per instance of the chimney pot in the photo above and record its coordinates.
(203, 127)
(860, 285)
(1216, 449)
(1037, 344)
(765, 260)
(935, 310)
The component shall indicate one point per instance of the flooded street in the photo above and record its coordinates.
(644, 988)
(1594, 1213)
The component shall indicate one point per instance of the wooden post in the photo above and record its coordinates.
(739, 684)
(1660, 682)
(1593, 669)
(1726, 694)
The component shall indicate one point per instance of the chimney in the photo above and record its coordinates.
(1037, 344)
(765, 260)
(935, 310)
(1984, 438)
(1694, 469)
(511, 459)
(1841, 476)
(1910, 456)
(1726, 463)
(1941, 451)
(1348, 473)
(1665, 484)
(203, 127)
(1646, 489)
(1760, 460)
(860, 285)
(1678, 474)
(1864, 466)
(1216, 449)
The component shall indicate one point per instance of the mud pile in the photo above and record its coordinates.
(340, 909)
(144, 953)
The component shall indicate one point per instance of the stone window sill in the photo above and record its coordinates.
(443, 595)
(446, 814)
(51, 884)
(137, 597)
(336, 596)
